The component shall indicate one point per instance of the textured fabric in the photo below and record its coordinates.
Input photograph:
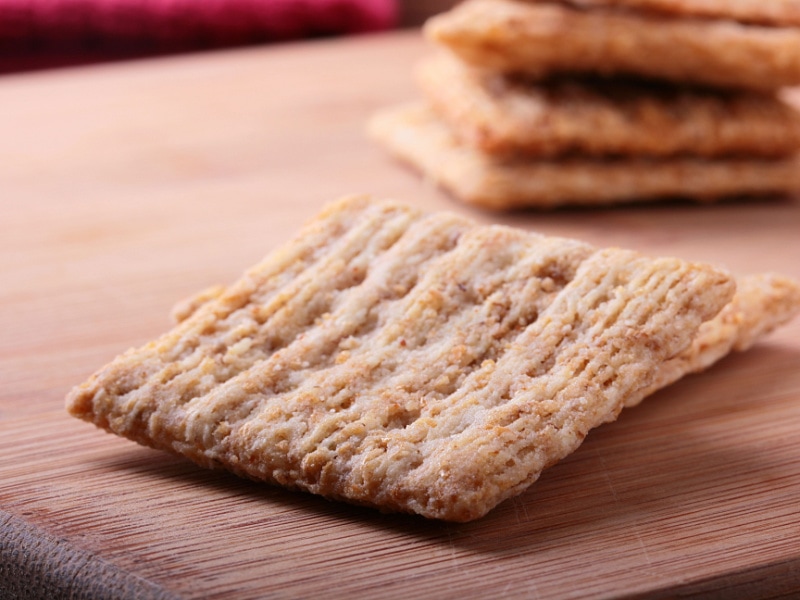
(35, 565)
(36, 33)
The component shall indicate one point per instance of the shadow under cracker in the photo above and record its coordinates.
(594, 489)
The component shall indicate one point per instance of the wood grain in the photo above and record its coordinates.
(124, 188)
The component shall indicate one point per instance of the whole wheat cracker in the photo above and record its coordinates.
(413, 133)
(777, 13)
(410, 362)
(508, 115)
(543, 39)
(762, 303)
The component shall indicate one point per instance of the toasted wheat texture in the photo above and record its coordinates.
(763, 302)
(542, 39)
(417, 136)
(503, 115)
(410, 362)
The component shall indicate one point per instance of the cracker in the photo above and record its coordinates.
(506, 115)
(414, 134)
(411, 362)
(780, 13)
(542, 39)
(762, 303)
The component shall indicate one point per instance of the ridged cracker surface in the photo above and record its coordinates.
(410, 362)
(542, 39)
(762, 303)
(504, 115)
(416, 135)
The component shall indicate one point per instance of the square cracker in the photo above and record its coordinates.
(410, 362)
(762, 303)
(543, 39)
(416, 135)
(770, 12)
(508, 115)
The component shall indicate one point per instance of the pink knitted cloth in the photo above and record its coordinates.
(41, 33)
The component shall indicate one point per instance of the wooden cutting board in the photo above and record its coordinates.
(125, 188)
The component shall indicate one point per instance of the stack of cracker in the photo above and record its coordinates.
(544, 103)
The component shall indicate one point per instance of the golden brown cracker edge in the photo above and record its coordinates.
(418, 137)
(507, 116)
(542, 39)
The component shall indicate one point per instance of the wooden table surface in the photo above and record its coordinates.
(124, 188)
